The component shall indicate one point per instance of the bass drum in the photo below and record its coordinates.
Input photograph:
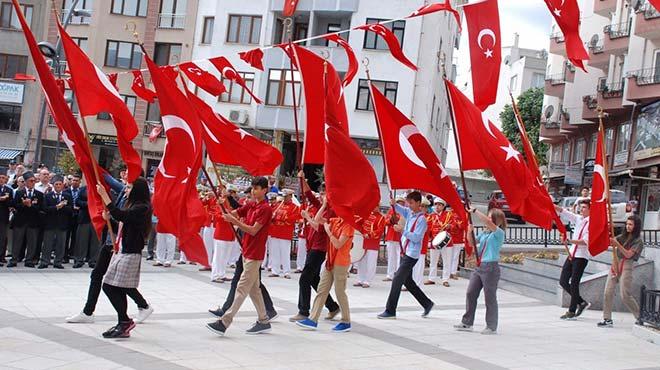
(441, 240)
(357, 251)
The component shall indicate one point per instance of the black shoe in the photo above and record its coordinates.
(606, 323)
(568, 316)
(29, 264)
(259, 328)
(92, 265)
(150, 258)
(11, 264)
(427, 310)
(65, 261)
(58, 266)
(217, 312)
(78, 265)
(107, 332)
(271, 316)
(639, 322)
(386, 315)
(122, 330)
(582, 307)
(217, 327)
(41, 266)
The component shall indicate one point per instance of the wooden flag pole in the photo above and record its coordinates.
(289, 25)
(601, 128)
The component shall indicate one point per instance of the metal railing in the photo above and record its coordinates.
(651, 238)
(648, 76)
(173, 21)
(618, 30)
(556, 79)
(611, 90)
(591, 101)
(551, 125)
(76, 19)
(649, 307)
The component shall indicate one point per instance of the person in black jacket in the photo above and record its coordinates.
(87, 242)
(73, 189)
(26, 223)
(58, 209)
(6, 195)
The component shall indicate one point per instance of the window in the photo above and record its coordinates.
(376, 162)
(373, 41)
(609, 141)
(592, 145)
(538, 80)
(9, 19)
(153, 112)
(133, 8)
(82, 42)
(623, 138)
(332, 28)
(279, 90)
(12, 64)
(207, 31)
(10, 117)
(556, 153)
(578, 153)
(71, 101)
(564, 152)
(130, 103)
(172, 14)
(388, 88)
(300, 32)
(244, 29)
(121, 54)
(513, 83)
(82, 4)
(165, 54)
(235, 92)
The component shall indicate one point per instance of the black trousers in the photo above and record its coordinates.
(27, 236)
(268, 302)
(96, 282)
(151, 244)
(403, 276)
(4, 229)
(571, 274)
(71, 234)
(87, 243)
(309, 278)
(117, 297)
(54, 239)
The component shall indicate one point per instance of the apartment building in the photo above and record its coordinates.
(227, 28)
(623, 40)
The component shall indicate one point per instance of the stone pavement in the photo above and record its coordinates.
(33, 335)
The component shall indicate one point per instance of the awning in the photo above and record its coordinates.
(9, 154)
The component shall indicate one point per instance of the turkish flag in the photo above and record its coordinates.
(72, 134)
(24, 77)
(409, 159)
(599, 228)
(436, 7)
(289, 7)
(230, 73)
(656, 4)
(202, 78)
(155, 132)
(567, 16)
(176, 204)
(229, 144)
(350, 54)
(483, 22)
(112, 77)
(391, 40)
(483, 146)
(140, 89)
(350, 180)
(253, 57)
(95, 94)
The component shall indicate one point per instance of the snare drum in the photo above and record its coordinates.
(441, 240)
(357, 251)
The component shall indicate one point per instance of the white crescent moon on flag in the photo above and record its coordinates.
(161, 166)
(106, 83)
(486, 123)
(486, 32)
(208, 132)
(171, 121)
(404, 134)
(598, 169)
(229, 72)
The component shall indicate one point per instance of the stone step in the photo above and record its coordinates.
(529, 291)
(553, 267)
(531, 277)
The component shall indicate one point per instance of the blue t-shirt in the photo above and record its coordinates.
(492, 241)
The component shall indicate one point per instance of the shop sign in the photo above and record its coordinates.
(11, 92)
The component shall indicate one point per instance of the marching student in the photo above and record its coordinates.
(372, 229)
(165, 248)
(487, 275)
(258, 216)
(629, 246)
(273, 201)
(58, 208)
(393, 241)
(412, 236)
(418, 270)
(285, 216)
(437, 223)
(301, 244)
(576, 263)
(209, 202)
(225, 241)
(338, 262)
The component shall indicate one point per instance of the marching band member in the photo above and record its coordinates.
(393, 241)
(210, 204)
(437, 223)
(372, 229)
(224, 242)
(273, 201)
(418, 270)
(457, 233)
(301, 246)
(285, 216)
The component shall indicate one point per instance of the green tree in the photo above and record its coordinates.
(530, 104)
(67, 163)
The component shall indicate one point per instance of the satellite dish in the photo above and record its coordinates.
(549, 111)
(594, 40)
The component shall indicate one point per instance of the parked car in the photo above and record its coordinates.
(496, 199)
(621, 208)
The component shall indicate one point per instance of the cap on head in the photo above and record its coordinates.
(287, 192)
(437, 200)
(425, 202)
(28, 175)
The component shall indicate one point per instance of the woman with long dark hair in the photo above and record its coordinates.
(123, 275)
(628, 246)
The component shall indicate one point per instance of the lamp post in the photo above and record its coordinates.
(53, 53)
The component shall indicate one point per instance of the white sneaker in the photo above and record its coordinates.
(488, 331)
(143, 314)
(80, 318)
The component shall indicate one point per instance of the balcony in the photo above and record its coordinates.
(647, 22)
(565, 122)
(644, 85)
(597, 58)
(604, 7)
(549, 132)
(618, 37)
(610, 98)
(589, 105)
(557, 44)
(569, 70)
(171, 21)
(555, 85)
(318, 5)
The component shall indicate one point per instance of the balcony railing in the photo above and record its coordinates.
(551, 125)
(618, 30)
(591, 101)
(172, 21)
(611, 90)
(76, 19)
(648, 76)
(558, 37)
(556, 79)
(149, 125)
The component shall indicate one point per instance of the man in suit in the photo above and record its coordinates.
(87, 242)
(6, 199)
(28, 203)
(73, 190)
(58, 207)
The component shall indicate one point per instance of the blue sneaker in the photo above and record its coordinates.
(307, 324)
(342, 327)
(386, 316)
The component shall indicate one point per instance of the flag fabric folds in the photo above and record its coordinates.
(140, 89)
(599, 229)
(229, 72)
(95, 94)
(253, 57)
(176, 203)
(436, 7)
(350, 54)
(289, 7)
(567, 16)
(72, 134)
(391, 41)
(202, 78)
(483, 23)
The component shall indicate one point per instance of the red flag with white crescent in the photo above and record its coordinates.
(392, 42)
(350, 54)
(203, 79)
(229, 72)
(567, 16)
(253, 57)
(140, 89)
(436, 7)
(599, 230)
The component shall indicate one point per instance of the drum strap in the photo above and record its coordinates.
(412, 230)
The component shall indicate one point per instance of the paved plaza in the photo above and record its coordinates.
(33, 335)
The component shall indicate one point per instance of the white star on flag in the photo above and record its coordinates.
(488, 53)
(242, 132)
(511, 152)
(557, 12)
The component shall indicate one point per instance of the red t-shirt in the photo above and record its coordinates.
(254, 247)
(317, 239)
(391, 235)
(223, 230)
(457, 230)
(285, 216)
(372, 229)
(210, 207)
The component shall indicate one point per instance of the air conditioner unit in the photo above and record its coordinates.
(239, 116)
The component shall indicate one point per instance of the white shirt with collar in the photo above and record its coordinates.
(581, 232)
(41, 187)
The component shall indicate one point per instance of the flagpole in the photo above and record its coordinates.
(218, 200)
(295, 112)
(606, 165)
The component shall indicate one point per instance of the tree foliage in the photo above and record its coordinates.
(530, 104)
(67, 163)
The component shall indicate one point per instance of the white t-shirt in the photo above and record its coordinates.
(581, 232)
